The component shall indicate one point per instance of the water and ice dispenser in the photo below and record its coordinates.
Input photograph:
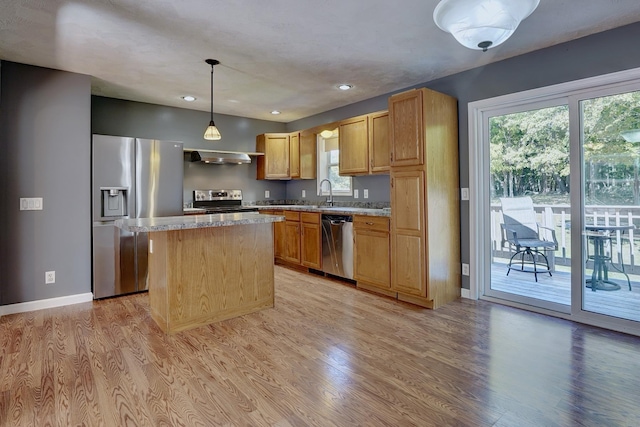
(114, 201)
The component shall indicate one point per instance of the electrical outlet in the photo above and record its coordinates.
(465, 269)
(464, 193)
(365, 193)
(266, 194)
(49, 277)
(356, 194)
(304, 193)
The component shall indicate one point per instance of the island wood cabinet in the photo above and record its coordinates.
(311, 240)
(425, 224)
(371, 257)
(364, 144)
(286, 156)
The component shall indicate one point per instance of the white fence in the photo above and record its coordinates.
(624, 244)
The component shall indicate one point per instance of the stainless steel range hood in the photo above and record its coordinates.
(220, 157)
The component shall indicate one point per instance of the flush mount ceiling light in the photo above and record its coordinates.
(326, 134)
(344, 86)
(212, 133)
(189, 98)
(481, 24)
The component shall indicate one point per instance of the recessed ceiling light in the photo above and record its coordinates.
(344, 86)
(275, 112)
(189, 98)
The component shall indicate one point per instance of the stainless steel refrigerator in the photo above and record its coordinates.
(131, 178)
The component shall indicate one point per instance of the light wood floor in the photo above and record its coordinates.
(326, 355)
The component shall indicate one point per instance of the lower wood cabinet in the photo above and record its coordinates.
(371, 258)
(278, 234)
(292, 237)
(311, 240)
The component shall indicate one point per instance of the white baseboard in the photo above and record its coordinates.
(465, 293)
(23, 307)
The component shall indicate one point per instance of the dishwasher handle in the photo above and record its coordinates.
(337, 221)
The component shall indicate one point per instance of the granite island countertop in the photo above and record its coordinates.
(170, 223)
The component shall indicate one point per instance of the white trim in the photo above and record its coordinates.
(23, 307)
(466, 293)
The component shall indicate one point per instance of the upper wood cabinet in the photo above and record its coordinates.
(294, 155)
(353, 141)
(275, 163)
(308, 153)
(379, 151)
(364, 144)
(407, 128)
(286, 156)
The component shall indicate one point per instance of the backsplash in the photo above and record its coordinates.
(345, 204)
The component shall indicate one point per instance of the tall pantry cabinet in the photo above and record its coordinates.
(425, 213)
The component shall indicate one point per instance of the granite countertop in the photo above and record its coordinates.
(170, 223)
(337, 210)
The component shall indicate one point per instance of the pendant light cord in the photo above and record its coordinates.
(211, 92)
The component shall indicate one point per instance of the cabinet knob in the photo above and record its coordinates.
(369, 223)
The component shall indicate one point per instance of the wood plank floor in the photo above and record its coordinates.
(623, 303)
(326, 355)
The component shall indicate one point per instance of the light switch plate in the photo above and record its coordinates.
(304, 193)
(31, 203)
(266, 194)
(465, 269)
(464, 193)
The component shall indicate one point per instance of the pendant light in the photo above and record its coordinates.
(212, 133)
(481, 24)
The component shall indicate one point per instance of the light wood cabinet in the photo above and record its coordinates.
(379, 151)
(364, 144)
(278, 234)
(353, 140)
(308, 153)
(425, 220)
(292, 237)
(275, 164)
(311, 240)
(371, 254)
(294, 155)
(286, 156)
(407, 128)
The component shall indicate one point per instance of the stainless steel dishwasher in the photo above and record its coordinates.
(337, 245)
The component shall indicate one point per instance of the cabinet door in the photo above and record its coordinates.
(294, 155)
(292, 242)
(408, 258)
(311, 245)
(275, 162)
(308, 150)
(407, 131)
(279, 237)
(371, 257)
(379, 151)
(353, 142)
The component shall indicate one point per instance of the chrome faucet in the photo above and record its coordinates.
(330, 199)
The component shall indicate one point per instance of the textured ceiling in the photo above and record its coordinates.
(287, 55)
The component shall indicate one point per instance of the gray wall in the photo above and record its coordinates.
(126, 118)
(45, 142)
(598, 54)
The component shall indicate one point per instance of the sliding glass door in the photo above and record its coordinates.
(610, 146)
(530, 206)
(555, 200)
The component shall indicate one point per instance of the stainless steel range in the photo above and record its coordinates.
(220, 201)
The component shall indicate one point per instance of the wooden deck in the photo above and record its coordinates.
(557, 288)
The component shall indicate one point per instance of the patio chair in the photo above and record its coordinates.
(524, 235)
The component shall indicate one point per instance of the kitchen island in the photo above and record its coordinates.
(207, 268)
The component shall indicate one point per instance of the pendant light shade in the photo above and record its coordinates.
(481, 24)
(212, 133)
